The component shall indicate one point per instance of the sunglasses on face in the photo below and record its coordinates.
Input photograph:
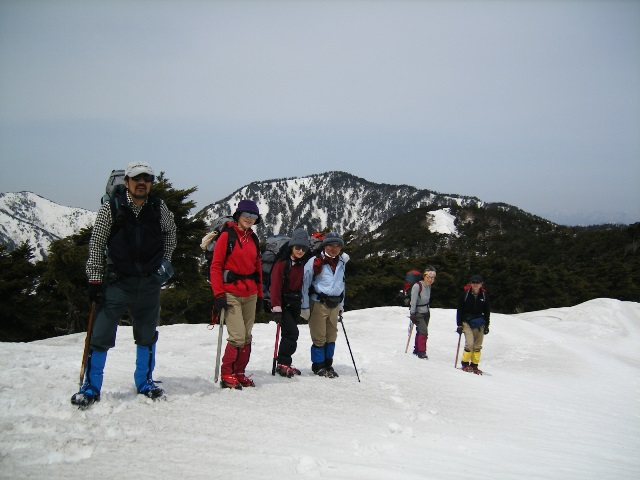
(475, 283)
(300, 247)
(430, 277)
(252, 216)
(143, 177)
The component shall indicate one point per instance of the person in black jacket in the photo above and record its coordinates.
(473, 317)
(130, 250)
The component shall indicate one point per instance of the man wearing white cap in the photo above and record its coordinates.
(129, 259)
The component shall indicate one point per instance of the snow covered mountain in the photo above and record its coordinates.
(337, 200)
(25, 216)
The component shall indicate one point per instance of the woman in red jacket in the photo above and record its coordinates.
(236, 280)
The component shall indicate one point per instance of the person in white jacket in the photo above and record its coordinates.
(323, 293)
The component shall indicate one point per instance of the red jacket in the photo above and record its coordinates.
(294, 280)
(244, 259)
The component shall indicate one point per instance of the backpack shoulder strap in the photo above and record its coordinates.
(232, 236)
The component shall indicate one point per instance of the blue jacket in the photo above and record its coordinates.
(327, 281)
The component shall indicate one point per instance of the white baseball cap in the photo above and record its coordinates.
(136, 168)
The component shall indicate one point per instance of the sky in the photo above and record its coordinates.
(558, 400)
(531, 103)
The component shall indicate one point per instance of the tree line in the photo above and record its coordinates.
(528, 264)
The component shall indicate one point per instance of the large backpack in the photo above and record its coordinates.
(209, 241)
(412, 277)
(115, 185)
(275, 248)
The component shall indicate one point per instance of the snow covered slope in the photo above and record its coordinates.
(560, 399)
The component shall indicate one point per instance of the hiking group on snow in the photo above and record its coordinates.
(130, 251)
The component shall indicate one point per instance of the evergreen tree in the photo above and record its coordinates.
(19, 304)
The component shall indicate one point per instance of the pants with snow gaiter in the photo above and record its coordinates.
(322, 357)
(94, 370)
(473, 338)
(288, 335)
(235, 359)
(145, 363)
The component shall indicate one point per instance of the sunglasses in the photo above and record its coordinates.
(300, 247)
(145, 177)
(477, 283)
(252, 216)
(432, 277)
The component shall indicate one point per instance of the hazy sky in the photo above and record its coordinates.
(532, 103)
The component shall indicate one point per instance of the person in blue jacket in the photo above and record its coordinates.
(323, 294)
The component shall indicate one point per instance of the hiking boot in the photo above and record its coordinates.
(151, 390)
(85, 397)
(287, 370)
(327, 372)
(244, 380)
(422, 355)
(476, 370)
(230, 381)
(467, 368)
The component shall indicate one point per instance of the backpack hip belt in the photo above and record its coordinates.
(229, 276)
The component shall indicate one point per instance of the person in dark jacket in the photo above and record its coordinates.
(236, 281)
(130, 250)
(473, 317)
(286, 299)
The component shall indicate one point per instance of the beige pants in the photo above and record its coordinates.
(473, 338)
(323, 323)
(239, 319)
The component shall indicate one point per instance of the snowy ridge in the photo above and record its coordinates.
(335, 199)
(25, 216)
(559, 400)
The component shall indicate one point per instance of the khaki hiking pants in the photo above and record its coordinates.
(323, 323)
(239, 319)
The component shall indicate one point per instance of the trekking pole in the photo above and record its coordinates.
(457, 350)
(215, 376)
(87, 341)
(275, 351)
(350, 352)
(409, 339)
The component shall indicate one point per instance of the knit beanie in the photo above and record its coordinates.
(300, 238)
(332, 238)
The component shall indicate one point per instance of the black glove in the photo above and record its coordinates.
(220, 303)
(459, 330)
(486, 330)
(414, 318)
(259, 305)
(277, 317)
(95, 292)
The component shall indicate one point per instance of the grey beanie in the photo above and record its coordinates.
(332, 238)
(300, 238)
